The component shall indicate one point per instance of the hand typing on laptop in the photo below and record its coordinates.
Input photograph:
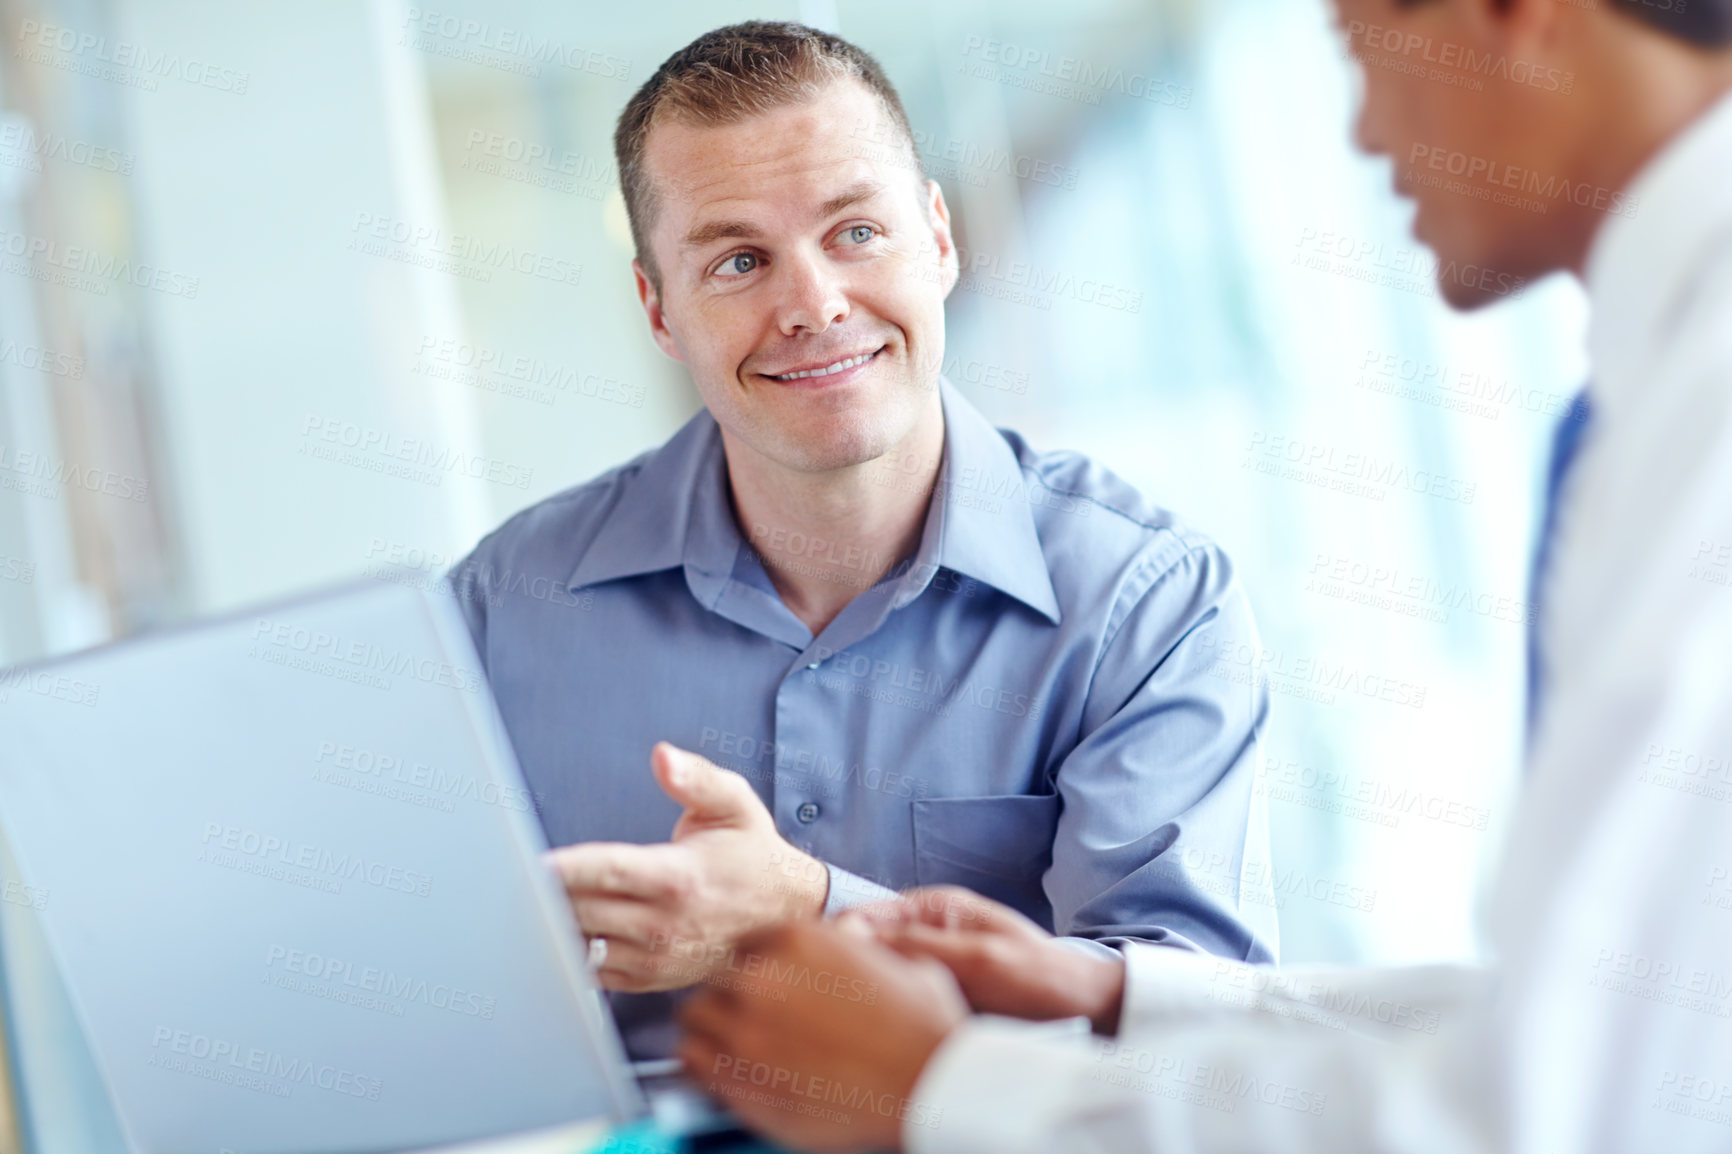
(671, 913)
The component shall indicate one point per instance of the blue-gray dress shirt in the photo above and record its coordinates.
(1032, 706)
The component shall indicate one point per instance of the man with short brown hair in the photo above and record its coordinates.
(928, 652)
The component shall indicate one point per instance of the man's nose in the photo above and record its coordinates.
(1363, 134)
(812, 296)
(1377, 125)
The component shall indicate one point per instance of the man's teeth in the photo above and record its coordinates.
(828, 369)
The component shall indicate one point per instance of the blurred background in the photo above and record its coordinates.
(226, 231)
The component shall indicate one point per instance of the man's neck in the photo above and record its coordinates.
(826, 537)
(1654, 92)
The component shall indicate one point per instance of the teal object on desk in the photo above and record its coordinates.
(639, 1138)
(645, 1138)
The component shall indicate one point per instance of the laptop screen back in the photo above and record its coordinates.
(294, 885)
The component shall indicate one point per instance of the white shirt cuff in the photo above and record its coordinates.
(849, 890)
(1162, 983)
(996, 1085)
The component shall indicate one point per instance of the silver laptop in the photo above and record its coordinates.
(295, 889)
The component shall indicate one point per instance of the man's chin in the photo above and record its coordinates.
(1467, 282)
(1466, 298)
(832, 449)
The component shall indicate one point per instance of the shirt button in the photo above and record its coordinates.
(807, 813)
(814, 665)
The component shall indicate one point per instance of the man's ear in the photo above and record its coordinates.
(650, 297)
(938, 216)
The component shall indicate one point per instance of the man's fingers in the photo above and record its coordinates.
(709, 1014)
(855, 925)
(951, 907)
(649, 872)
(982, 963)
(619, 920)
(938, 974)
(624, 968)
(720, 990)
(699, 1055)
(890, 911)
(959, 951)
(632, 969)
(709, 794)
(783, 941)
(734, 1026)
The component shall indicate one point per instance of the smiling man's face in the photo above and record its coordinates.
(804, 267)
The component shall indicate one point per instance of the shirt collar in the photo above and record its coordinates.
(981, 520)
(674, 511)
(1641, 264)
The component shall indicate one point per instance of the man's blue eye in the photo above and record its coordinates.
(733, 266)
(861, 233)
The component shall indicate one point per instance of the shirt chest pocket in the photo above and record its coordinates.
(996, 846)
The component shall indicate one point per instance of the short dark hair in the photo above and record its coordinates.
(724, 77)
(1705, 23)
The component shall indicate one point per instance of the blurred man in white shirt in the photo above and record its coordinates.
(1606, 1022)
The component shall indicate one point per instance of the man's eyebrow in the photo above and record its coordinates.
(853, 194)
(715, 230)
(719, 230)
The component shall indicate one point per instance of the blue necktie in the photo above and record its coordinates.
(1566, 443)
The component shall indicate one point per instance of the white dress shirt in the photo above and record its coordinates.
(1607, 1023)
